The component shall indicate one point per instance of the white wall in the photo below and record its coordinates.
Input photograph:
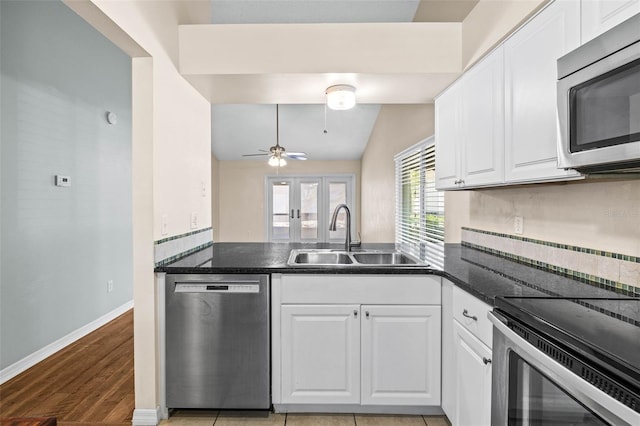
(397, 128)
(242, 193)
(60, 246)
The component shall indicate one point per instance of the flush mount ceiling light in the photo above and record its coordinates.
(341, 97)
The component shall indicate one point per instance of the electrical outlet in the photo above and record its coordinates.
(194, 220)
(203, 189)
(109, 286)
(518, 225)
(164, 224)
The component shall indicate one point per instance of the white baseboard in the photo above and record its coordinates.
(146, 416)
(31, 360)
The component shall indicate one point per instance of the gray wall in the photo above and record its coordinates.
(60, 246)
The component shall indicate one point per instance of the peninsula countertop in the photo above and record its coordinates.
(481, 274)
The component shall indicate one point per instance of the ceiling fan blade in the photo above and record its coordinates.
(255, 155)
(296, 155)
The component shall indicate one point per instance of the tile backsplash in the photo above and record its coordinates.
(610, 270)
(169, 249)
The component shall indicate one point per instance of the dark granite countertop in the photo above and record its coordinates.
(480, 274)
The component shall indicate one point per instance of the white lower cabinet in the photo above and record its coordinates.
(321, 349)
(356, 340)
(369, 354)
(400, 355)
(473, 379)
(466, 364)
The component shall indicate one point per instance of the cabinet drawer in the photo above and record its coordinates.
(471, 313)
(361, 289)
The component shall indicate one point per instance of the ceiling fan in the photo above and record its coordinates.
(278, 153)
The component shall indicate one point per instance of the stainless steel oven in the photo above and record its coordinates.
(599, 102)
(561, 362)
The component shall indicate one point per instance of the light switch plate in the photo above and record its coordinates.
(194, 220)
(518, 225)
(164, 224)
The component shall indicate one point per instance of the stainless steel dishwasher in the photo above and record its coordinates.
(217, 341)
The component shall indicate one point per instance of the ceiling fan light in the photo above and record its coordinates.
(277, 161)
(341, 97)
(274, 161)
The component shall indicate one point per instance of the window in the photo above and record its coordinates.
(419, 206)
(300, 207)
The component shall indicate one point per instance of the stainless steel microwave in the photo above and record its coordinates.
(599, 102)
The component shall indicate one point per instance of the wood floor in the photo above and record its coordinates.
(90, 382)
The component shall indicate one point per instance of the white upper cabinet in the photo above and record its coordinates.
(447, 130)
(600, 15)
(482, 122)
(469, 130)
(530, 92)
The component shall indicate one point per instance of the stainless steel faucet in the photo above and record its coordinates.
(332, 226)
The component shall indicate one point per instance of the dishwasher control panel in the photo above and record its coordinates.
(217, 287)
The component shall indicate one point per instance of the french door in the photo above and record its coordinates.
(300, 207)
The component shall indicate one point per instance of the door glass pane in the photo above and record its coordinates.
(536, 400)
(338, 195)
(606, 110)
(309, 211)
(280, 214)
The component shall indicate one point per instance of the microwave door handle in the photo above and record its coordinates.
(601, 403)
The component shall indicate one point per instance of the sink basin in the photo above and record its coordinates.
(322, 258)
(394, 258)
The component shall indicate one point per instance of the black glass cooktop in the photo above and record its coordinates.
(606, 332)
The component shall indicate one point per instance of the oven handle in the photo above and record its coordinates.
(597, 401)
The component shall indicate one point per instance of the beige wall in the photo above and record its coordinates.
(242, 193)
(397, 128)
(490, 22)
(602, 215)
(597, 214)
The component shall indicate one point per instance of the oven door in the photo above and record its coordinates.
(599, 113)
(530, 388)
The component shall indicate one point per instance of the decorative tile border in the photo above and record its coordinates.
(173, 248)
(614, 271)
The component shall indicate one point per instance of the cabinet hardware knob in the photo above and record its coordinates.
(366, 313)
(355, 313)
(466, 314)
(486, 360)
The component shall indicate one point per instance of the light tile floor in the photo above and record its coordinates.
(263, 418)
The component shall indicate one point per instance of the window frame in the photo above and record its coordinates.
(426, 240)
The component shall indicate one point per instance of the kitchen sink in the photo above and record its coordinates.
(394, 258)
(326, 257)
(322, 258)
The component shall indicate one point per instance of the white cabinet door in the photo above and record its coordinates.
(447, 136)
(600, 15)
(530, 92)
(482, 122)
(400, 355)
(320, 352)
(473, 379)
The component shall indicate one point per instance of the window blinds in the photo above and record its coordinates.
(419, 206)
